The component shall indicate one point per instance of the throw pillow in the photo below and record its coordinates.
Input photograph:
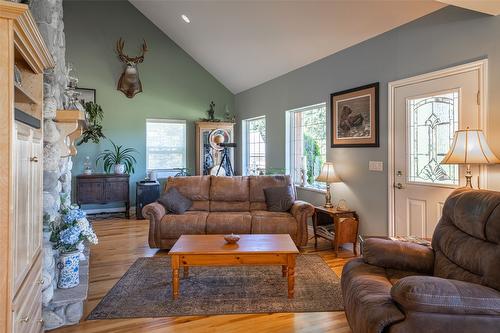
(175, 202)
(279, 199)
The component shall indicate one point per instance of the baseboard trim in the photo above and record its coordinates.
(109, 210)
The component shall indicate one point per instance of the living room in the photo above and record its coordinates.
(267, 166)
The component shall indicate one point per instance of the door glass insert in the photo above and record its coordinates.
(432, 122)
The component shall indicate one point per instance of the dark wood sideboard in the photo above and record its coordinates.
(103, 189)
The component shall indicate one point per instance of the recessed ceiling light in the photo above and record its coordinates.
(185, 18)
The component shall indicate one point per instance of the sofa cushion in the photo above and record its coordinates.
(259, 183)
(229, 222)
(264, 222)
(195, 188)
(229, 206)
(175, 202)
(190, 223)
(279, 199)
(229, 189)
(436, 295)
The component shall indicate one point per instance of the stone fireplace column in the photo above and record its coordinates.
(48, 15)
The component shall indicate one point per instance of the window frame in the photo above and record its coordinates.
(246, 143)
(290, 144)
(169, 121)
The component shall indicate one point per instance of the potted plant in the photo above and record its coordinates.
(94, 115)
(69, 236)
(120, 158)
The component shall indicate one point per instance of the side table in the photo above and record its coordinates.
(338, 226)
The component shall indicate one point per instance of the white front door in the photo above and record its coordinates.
(426, 115)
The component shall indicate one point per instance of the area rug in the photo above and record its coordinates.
(146, 290)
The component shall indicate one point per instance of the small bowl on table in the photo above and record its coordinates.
(231, 239)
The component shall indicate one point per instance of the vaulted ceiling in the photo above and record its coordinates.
(246, 43)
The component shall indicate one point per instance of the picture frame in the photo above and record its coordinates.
(86, 95)
(354, 115)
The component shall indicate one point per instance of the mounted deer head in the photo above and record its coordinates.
(129, 82)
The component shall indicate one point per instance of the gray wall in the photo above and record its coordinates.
(448, 37)
(175, 86)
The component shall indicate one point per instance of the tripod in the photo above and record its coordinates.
(225, 159)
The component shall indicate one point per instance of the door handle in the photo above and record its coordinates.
(34, 159)
(399, 186)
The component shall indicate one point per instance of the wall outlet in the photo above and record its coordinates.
(376, 166)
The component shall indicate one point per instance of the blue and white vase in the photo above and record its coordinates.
(69, 270)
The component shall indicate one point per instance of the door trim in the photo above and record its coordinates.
(482, 67)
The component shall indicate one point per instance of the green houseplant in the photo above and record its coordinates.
(93, 132)
(120, 158)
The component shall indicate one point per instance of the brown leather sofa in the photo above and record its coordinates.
(454, 287)
(223, 205)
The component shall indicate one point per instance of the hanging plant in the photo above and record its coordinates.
(93, 132)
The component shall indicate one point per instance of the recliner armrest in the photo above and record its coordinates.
(437, 295)
(301, 207)
(154, 212)
(398, 255)
(301, 210)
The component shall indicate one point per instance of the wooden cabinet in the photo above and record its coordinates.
(338, 226)
(27, 194)
(207, 158)
(103, 189)
(21, 170)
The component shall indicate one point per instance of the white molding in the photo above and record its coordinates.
(109, 210)
(482, 67)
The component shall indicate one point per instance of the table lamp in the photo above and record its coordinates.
(328, 176)
(469, 146)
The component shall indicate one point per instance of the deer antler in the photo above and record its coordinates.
(125, 58)
(119, 49)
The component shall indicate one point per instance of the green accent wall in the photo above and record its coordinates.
(175, 86)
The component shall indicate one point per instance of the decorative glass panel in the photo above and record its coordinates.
(432, 122)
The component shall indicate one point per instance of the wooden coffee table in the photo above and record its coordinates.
(212, 250)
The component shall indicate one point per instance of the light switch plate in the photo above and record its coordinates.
(376, 166)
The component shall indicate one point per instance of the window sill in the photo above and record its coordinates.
(311, 189)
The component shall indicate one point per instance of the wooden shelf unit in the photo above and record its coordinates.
(21, 171)
(22, 96)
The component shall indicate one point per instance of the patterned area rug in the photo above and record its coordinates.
(146, 291)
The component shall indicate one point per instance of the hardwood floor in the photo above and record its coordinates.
(122, 241)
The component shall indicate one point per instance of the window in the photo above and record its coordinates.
(433, 121)
(254, 154)
(306, 143)
(165, 144)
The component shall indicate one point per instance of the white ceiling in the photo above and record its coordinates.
(491, 7)
(246, 43)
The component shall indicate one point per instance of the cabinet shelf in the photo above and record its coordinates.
(22, 96)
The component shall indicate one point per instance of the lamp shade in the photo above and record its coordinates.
(470, 147)
(328, 174)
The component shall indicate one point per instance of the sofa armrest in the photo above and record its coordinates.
(437, 295)
(154, 212)
(301, 210)
(398, 255)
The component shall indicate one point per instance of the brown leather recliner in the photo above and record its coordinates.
(454, 287)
